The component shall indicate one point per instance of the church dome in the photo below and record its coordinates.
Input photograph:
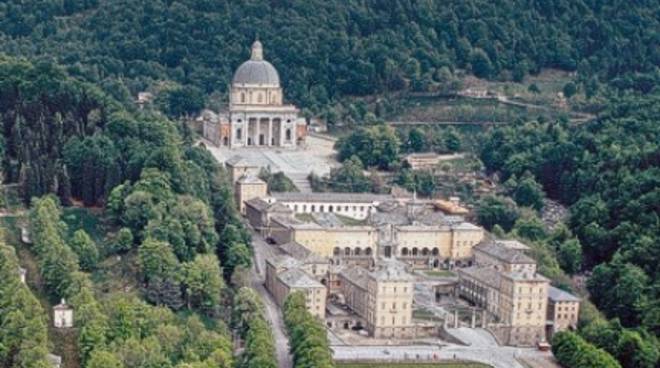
(256, 70)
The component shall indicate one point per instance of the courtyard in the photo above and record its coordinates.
(316, 155)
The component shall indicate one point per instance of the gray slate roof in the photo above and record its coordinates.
(502, 253)
(331, 197)
(297, 278)
(559, 295)
(301, 253)
(356, 274)
(250, 179)
(256, 72)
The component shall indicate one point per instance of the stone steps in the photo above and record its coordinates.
(300, 181)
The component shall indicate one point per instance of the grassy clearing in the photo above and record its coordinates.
(550, 82)
(349, 221)
(412, 365)
(305, 217)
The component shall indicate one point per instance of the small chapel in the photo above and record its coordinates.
(257, 116)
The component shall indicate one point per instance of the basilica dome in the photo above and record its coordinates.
(257, 70)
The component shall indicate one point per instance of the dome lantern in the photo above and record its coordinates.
(257, 51)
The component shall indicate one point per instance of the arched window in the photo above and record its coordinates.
(330, 209)
(404, 251)
(288, 134)
(347, 251)
(425, 251)
(357, 251)
(321, 208)
(313, 208)
(367, 251)
(295, 208)
(436, 251)
(336, 251)
(239, 133)
(414, 251)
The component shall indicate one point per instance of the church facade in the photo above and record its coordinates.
(257, 116)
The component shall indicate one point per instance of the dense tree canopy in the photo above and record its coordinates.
(328, 49)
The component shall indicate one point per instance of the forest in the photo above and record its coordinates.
(326, 50)
(72, 136)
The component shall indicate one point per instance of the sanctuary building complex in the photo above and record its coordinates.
(257, 115)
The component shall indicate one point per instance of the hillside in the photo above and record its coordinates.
(325, 50)
(137, 227)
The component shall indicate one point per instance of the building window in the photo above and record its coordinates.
(239, 133)
(242, 98)
(288, 134)
(260, 98)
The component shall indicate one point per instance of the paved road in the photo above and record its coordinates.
(273, 312)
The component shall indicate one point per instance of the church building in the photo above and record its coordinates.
(257, 116)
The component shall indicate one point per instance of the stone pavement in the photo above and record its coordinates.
(317, 155)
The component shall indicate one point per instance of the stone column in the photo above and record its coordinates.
(473, 321)
(455, 318)
(246, 130)
(281, 136)
(270, 132)
(257, 132)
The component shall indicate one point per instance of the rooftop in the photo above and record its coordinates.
(62, 306)
(262, 205)
(486, 275)
(559, 295)
(256, 70)
(389, 271)
(284, 261)
(250, 179)
(331, 197)
(355, 274)
(302, 254)
(512, 244)
(504, 254)
(297, 278)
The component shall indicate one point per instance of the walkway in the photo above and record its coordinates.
(317, 155)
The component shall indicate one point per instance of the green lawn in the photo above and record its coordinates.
(425, 315)
(412, 365)
(349, 221)
(439, 273)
